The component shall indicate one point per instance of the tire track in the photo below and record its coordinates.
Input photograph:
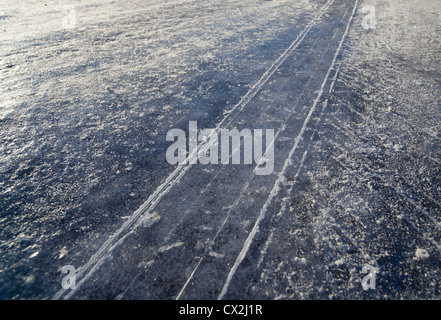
(143, 214)
(230, 208)
(274, 191)
(284, 202)
(236, 202)
(248, 182)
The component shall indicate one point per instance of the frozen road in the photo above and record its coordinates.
(351, 89)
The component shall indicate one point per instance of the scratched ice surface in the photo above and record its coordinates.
(84, 113)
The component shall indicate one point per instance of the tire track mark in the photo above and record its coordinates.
(242, 192)
(301, 165)
(274, 191)
(142, 215)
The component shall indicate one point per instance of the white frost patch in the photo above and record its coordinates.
(339, 262)
(171, 246)
(150, 219)
(421, 254)
(215, 254)
(299, 261)
(30, 279)
(145, 264)
(63, 252)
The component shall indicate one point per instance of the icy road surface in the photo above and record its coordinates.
(85, 106)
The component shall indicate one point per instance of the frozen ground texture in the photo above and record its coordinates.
(357, 180)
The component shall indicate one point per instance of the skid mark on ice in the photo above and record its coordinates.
(137, 217)
(281, 129)
(275, 189)
(171, 246)
(235, 203)
(299, 169)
